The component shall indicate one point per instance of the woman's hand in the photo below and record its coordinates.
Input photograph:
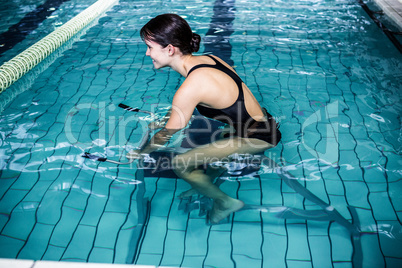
(161, 123)
(134, 154)
(155, 143)
(156, 124)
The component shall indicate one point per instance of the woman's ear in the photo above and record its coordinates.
(171, 50)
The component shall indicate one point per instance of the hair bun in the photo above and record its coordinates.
(195, 42)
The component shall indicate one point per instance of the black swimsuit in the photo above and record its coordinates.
(237, 116)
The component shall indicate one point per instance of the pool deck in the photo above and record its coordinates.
(393, 8)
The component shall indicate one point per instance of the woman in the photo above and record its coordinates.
(215, 89)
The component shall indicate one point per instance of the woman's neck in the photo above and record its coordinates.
(182, 64)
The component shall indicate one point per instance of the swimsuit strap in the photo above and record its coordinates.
(219, 66)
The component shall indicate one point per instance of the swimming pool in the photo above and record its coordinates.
(322, 67)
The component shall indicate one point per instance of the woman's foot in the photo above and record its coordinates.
(223, 210)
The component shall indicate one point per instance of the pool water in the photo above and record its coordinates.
(323, 68)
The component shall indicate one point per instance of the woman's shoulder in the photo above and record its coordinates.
(201, 63)
(204, 59)
(199, 67)
(215, 60)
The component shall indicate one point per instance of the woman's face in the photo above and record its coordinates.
(158, 54)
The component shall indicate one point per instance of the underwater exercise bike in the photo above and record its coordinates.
(240, 166)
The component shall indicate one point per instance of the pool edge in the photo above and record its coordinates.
(20, 263)
(393, 8)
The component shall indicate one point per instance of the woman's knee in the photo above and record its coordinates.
(181, 166)
(188, 170)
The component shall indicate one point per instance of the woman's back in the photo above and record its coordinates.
(223, 90)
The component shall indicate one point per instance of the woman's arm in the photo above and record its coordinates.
(158, 140)
(184, 102)
(161, 123)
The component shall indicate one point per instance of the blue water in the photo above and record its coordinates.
(323, 68)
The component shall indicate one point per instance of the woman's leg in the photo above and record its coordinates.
(186, 167)
(212, 173)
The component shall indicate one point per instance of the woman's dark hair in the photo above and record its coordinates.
(171, 29)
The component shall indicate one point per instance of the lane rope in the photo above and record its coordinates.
(18, 66)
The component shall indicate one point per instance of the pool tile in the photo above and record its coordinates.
(248, 246)
(81, 244)
(250, 196)
(271, 191)
(318, 228)
(293, 200)
(377, 187)
(274, 249)
(6, 182)
(364, 146)
(156, 230)
(9, 246)
(357, 194)
(382, 208)
(373, 174)
(37, 242)
(49, 210)
(334, 187)
(298, 248)
(395, 196)
(166, 184)
(21, 221)
(359, 132)
(45, 122)
(321, 188)
(196, 238)
(66, 226)
(393, 262)
(125, 245)
(339, 203)
(148, 259)
(53, 253)
(371, 251)
(76, 199)
(172, 255)
(349, 172)
(11, 199)
(177, 219)
(298, 263)
(193, 261)
(119, 192)
(107, 229)
(244, 260)
(341, 244)
(347, 143)
(93, 210)
(393, 166)
(219, 250)
(162, 208)
(103, 255)
(320, 250)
